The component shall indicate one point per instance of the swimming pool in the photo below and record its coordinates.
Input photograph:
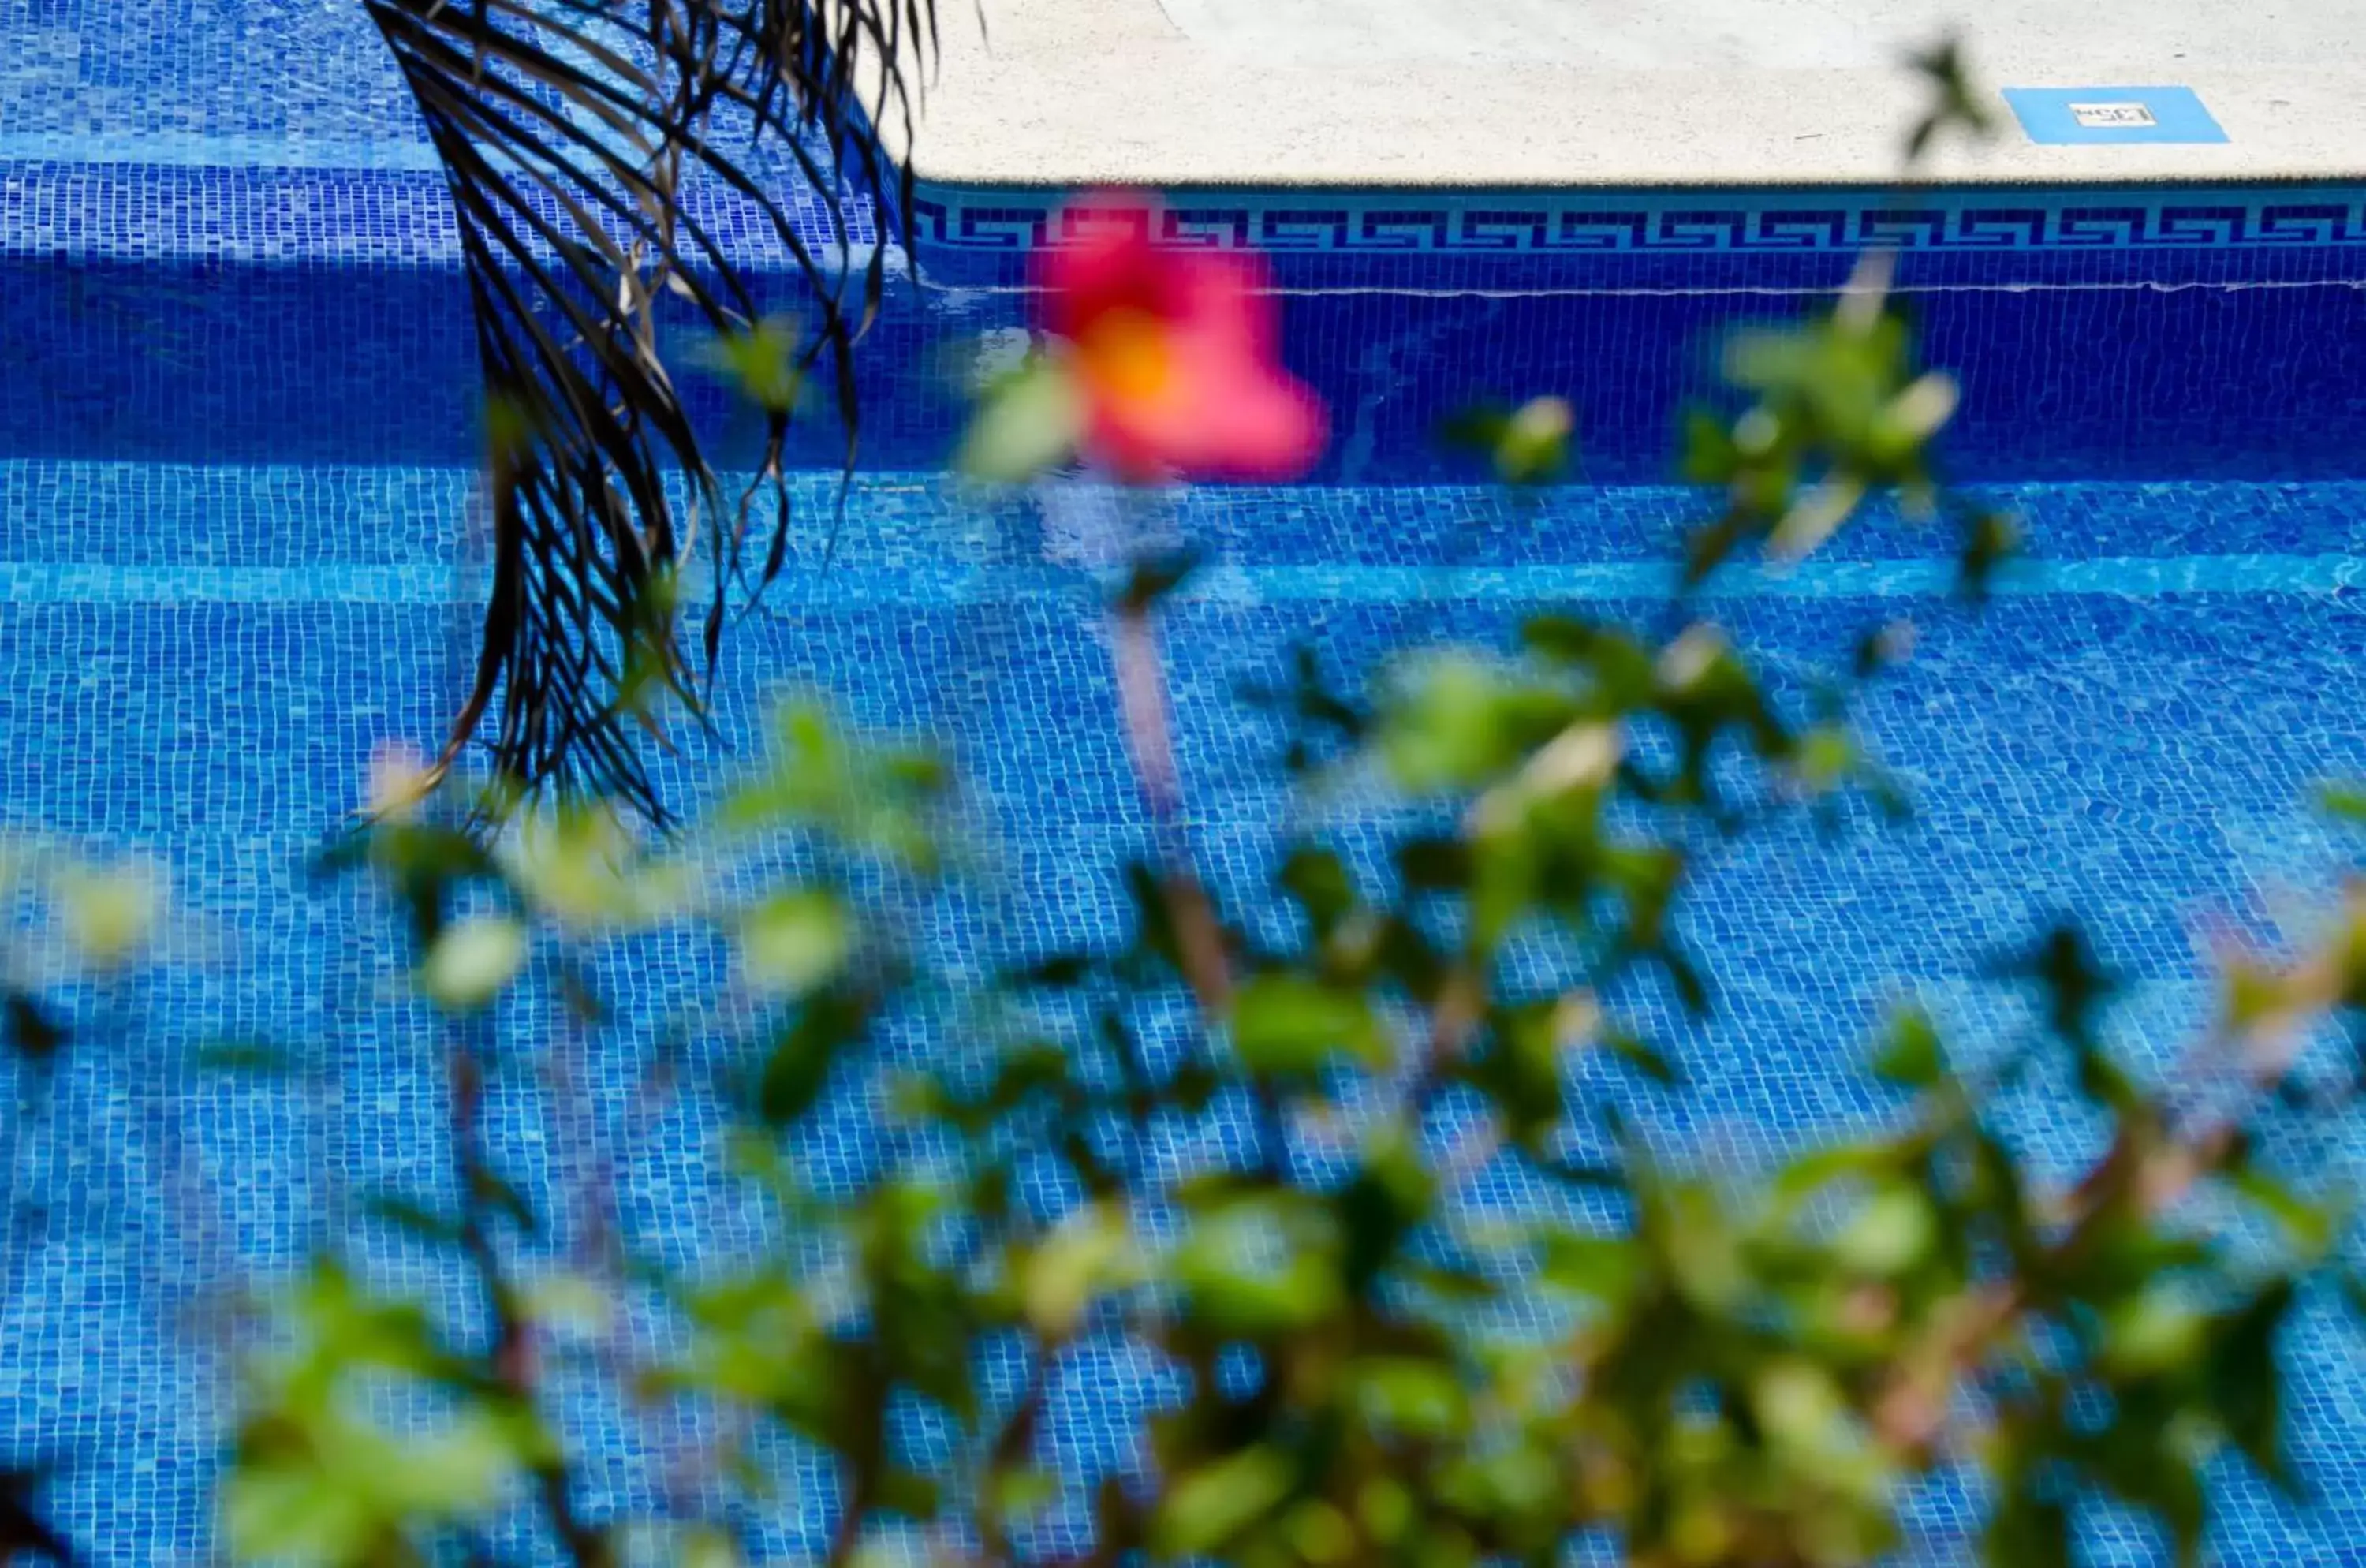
(234, 485)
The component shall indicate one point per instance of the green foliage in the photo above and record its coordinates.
(865, 796)
(1531, 444)
(471, 962)
(94, 921)
(1029, 421)
(794, 941)
(765, 362)
(1956, 102)
(320, 1479)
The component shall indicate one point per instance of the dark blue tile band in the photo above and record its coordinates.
(1570, 238)
(208, 314)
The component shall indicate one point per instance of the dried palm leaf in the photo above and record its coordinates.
(604, 157)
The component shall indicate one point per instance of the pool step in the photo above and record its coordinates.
(130, 531)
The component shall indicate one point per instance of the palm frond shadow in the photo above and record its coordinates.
(605, 158)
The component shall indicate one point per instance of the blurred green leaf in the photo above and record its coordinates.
(1207, 1509)
(869, 796)
(1022, 1493)
(1889, 1233)
(1087, 1253)
(1990, 539)
(410, 1216)
(32, 1033)
(259, 1058)
(1526, 446)
(1250, 1270)
(1027, 422)
(801, 1058)
(1320, 1532)
(756, 1341)
(1286, 1023)
(569, 1300)
(2246, 1390)
(2158, 1330)
(1956, 102)
(1152, 579)
(2076, 986)
(110, 912)
(794, 941)
(764, 362)
(316, 1480)
(909, 1493)
(1386, 1509)
(1910, 1058)
(2027, 1531)
(345, 1494)
(1413, 1398)
(500, 1196)
(582, 866)
(2344, 800)
(1453, 721)
(1607, 1269)
(473, 962)
(708, 1548)
(1643, 1057)
(2308, 1227)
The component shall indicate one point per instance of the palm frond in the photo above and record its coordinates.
(605, 157)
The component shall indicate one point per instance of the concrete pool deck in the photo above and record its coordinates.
(1275, 93)
(1413, 93)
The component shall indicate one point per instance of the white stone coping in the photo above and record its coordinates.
(1075, 93)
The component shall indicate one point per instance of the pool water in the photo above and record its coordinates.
(196, 660)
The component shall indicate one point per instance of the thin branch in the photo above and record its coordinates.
(1149, 734)
(512, 1357)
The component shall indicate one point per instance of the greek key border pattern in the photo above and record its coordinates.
(1018, 222)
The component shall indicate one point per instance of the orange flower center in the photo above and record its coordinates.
(1126, 352)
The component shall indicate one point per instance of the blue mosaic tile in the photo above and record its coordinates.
(2131, 734)
(182, 358)
(261, 82)
(221, 214)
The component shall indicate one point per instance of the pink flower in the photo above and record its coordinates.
(1174, 354)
